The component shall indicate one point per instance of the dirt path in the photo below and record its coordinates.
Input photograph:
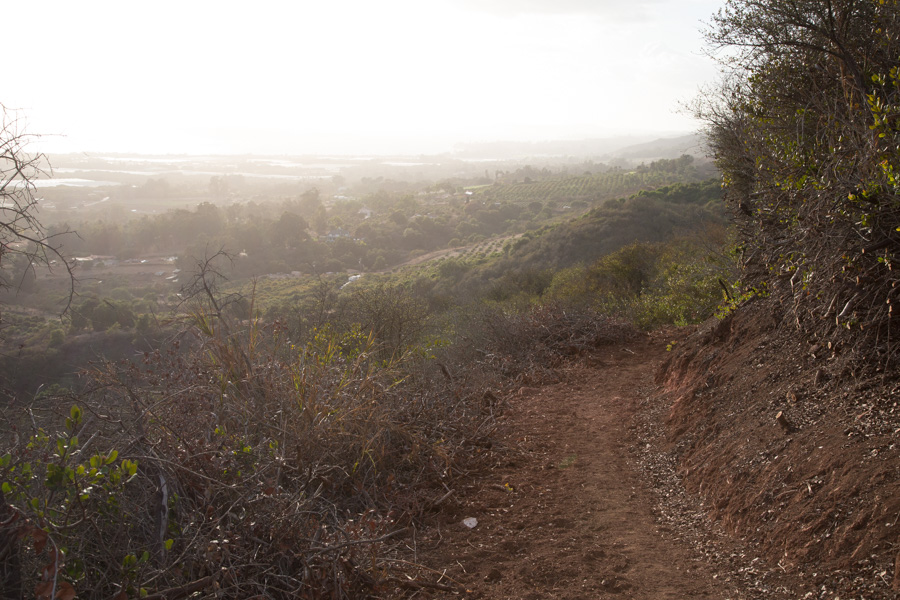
(570, 516)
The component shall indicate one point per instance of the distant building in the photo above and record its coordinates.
(97, 260)
(335, 234)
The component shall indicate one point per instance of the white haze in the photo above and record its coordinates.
(348, 76)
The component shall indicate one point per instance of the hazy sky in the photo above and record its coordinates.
(346, 76)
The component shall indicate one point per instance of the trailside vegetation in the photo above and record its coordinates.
(805, 127)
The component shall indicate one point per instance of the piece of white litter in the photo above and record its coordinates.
(470, 522)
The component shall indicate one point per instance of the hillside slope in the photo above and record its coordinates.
(793, 447)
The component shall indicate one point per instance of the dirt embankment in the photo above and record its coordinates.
(651, 474)
(791, 449)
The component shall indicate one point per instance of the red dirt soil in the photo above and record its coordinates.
(793, 444)
(633, 479)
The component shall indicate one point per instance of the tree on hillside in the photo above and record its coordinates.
(289, 231)
(805, 127)
(23, 240)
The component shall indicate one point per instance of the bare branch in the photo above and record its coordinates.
(24, 243)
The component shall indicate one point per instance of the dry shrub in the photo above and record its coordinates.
(263, 469)
(528, 343)
(232, 463)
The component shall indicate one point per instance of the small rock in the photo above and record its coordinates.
(470, 522)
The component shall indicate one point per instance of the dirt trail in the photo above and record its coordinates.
(569, 515)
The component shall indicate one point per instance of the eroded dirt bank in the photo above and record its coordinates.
(793, 448)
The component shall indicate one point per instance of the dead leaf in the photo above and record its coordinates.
(65, 591)
(43, 590)
(40, 539)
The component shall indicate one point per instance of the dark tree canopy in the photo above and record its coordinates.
(805, 127)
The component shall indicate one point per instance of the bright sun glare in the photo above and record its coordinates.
(352, 76)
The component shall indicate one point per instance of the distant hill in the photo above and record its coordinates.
(662, 148)
(587, 187)
(633, 149)
(593, 147)
(649, 216)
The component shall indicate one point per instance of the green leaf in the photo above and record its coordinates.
(7, 489)
(129, 467)
(75, 413)
(113, 455)
(169, 543)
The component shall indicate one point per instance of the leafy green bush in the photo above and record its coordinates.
(679, 282)
(685, 288)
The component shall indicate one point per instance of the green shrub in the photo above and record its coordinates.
(652, 284)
